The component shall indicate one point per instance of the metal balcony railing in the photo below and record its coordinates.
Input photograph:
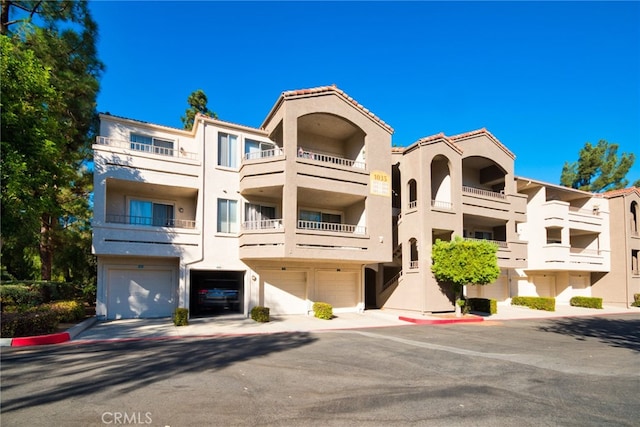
(481, 192)
(146, 148)
(332, 227)
(150, 221)
(325, 158)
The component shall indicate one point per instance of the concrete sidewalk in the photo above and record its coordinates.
(135, 329)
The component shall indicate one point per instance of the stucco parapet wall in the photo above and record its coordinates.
(320, 91)
(479, 132)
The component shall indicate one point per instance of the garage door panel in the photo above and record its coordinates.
(285, 292)
(340, 289)
(139, 294)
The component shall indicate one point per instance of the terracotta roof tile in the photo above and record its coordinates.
(621, 192)
(483, 131)
(340, 92)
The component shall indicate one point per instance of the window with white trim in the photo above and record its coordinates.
(227, 150)
(227, 216)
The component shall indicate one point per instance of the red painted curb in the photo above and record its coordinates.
(441, 321)
(41, 339)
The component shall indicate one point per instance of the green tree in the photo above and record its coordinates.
(50, 81)
(464, 262)
(197, 104)
(598, 168)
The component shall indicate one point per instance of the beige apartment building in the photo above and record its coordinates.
(316, 205)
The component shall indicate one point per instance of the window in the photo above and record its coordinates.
(227, 216)
(258, 149)
(143, 212)
(227, 150)
(483, 235)
(317, 216)
(635, 268)
(151, 145)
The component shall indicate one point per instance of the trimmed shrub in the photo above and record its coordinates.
(37, 321)
(260, 314)
(322, 310)
(483, 305)
(181, 316)
(587, 302)
(20, 295)
(67, 311)
(537, 303)
(636, 300)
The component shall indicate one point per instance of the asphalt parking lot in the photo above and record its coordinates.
(557, 372)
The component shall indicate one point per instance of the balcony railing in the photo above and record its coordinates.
(583, 251)
(330, 226)
(265, 224)
(395, 279)
(413, 265)
(325, 158)
(481, 192)
(264, 154)
(440, 204)
(594, 211)
(150, 221)
(146, 148)
(413, 204)
(500, 244)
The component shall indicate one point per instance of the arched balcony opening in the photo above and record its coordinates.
(412, 189)
(634, 218)
(327, 138)
(483, 176)
(441, 183)
(414, 262)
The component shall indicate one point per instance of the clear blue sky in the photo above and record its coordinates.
(543, 77)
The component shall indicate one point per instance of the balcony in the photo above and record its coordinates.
(304, 153)
(331, 227)
(557, 256)
(146, 148)
(485, 202)
(150, 221)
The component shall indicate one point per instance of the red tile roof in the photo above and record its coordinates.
(482, 131)
(621, 192)
(339, 92)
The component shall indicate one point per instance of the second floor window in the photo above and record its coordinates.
(144, 212)
(258, 149)
(227, 216)
(227, 150)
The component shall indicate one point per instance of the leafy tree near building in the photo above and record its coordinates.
(49, 83)
(598, 168)
(197, 104)
(464, 262)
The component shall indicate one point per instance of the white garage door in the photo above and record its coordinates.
(338, 288)
(285, 292)
(140, 293)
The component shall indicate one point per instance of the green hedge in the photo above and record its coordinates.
(483, 305)
(181, 316)
(34, 293)
(323, 310)
(588, 302)
(67, 311)
(636, 300)
(260, 314)
(37, 321)
(537, 303)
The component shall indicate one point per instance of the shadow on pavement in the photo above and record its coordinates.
(143, 364)
(614, 332)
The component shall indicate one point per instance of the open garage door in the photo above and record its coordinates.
(134, 293)
(285, 292)
(338, 288)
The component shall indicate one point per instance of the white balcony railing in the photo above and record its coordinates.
(413, 265)
(146, 148)
(325, 158)
(413, 204)
(264, 154)
(265, 224)
(150, 221)
(481, 192)
(440, 204)
(333, 227)
(500, 244)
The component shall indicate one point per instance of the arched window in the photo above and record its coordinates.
(413, 194)
(634, 218)
(440, 183)
(414, 253)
